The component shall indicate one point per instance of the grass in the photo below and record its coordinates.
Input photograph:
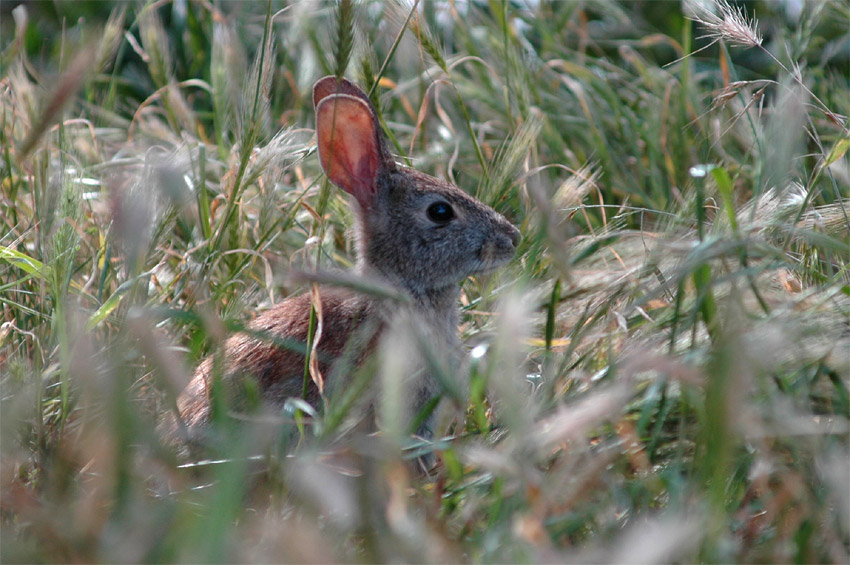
(660, 375)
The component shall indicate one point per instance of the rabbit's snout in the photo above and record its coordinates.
(501, 245)
(510, 239)
(507, 234)
(514, 235)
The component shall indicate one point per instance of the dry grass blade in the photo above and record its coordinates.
(72, 79)
(573, 421)
(373, 287)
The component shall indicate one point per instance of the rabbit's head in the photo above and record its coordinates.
(413, 229)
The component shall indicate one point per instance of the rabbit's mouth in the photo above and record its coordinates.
(486, 269)
(491, 262)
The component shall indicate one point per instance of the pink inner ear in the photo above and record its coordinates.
(348, 146)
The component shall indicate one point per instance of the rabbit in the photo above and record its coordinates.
(416, 233)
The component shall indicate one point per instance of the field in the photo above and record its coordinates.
(661, 374)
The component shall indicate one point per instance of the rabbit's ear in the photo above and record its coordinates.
(349, 145)
(331, 85)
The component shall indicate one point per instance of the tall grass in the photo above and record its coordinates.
(660, 375)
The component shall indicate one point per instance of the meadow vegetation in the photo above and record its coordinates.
(661, 374)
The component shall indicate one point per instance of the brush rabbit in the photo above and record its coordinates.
(419, 234)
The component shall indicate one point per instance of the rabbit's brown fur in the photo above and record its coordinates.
(417, 233)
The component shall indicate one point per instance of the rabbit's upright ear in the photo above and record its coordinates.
(328, 85)
(350, 146)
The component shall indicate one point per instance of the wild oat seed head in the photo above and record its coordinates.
(722, 21)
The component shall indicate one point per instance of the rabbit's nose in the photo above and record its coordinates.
(514, 235)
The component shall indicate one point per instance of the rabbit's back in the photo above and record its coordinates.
(271, 354)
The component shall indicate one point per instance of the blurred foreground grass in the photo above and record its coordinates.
(661, 374)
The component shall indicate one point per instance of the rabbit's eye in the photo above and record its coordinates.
(441, 212)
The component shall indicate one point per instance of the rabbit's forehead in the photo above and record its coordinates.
(420, 186)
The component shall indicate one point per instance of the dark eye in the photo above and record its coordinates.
(441, 212)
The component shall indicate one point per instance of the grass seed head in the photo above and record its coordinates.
(722, 21)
